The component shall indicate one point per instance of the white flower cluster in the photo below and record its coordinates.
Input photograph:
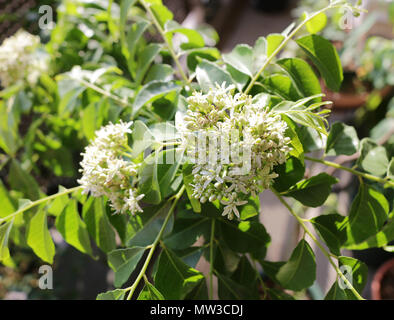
(105, 172)
(233, 144)
(20, 59)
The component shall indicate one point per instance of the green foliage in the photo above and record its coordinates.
(321, 186)
(300, 271)
(39, 238)
(132, 62)
(174, 279)
(342, 140)
(332, 229)
(368, 213)
(123, 262)
(302, 75)
(373, 158)
(325, 57)
(73, 228)
(149, 292)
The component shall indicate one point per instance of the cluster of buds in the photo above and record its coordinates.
(105, 171)
(20, 59)
(233, 144)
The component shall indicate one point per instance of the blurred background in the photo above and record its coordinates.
(366, 49)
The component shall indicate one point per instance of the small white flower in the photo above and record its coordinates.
(131, 202)
(106, 173)
(233, 145)
(20, 59)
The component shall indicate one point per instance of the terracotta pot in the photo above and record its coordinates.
(350, 100)
(384, 277)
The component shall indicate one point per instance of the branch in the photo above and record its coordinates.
(358, 173)
(154, 245)
(39, 201)
(344, 159)
(285, 41)
(325, 252)
(169, 45)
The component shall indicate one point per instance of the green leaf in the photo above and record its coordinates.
(124, 8)
(282, 85)
(273, 42)
(208, 74)
(162, 14)
(187, 180)
(300, 271)
(304, 114)
(142, 138)
(239, 78)
(246, 275)
(7, 203)
(69, 91)
(191, 255)
(342, 140)
(89, 120)
(22, 181)
(272, 268)
(290, 173)
(123, 262)
(4, 235)
(241, 59)
(378, 240)
(151, 221)
(160, 72)
(373, 158)
(292, 131)
(194, 56)
(332, 229)
(119, 222)
(390, 170)
(145, 58)
(95, 216)
(133, 36)
(39, 238)
(259, 54)
(195, 40)
(336, 293)
(149, 180)
(57, 205)
(325, 57)
(149, 292)
(245, 237)
(174, 279)
(152, 91)
(312, 192)
(250, 209)
(317, 23)
(311, 139)
(356, 272)
(368, 213)
(276, 294)
(9, 133)
(228, 289)
(200, 292)
(303, 76)
(188, 227)
(225, 260)
(117, 294)
(73, 229)
(167, 171)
